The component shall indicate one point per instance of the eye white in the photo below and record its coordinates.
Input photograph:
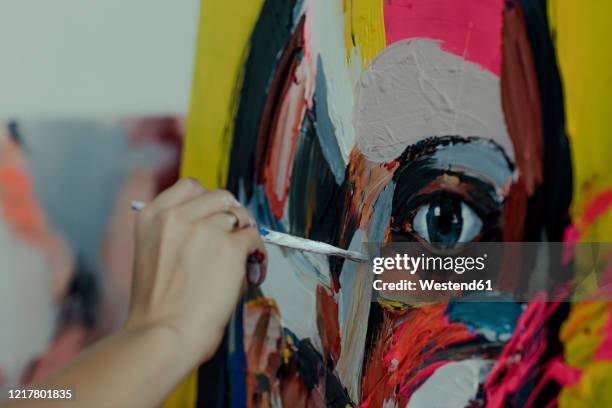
(472, 224)
(419, 223)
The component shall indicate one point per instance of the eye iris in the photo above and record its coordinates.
(444, 220)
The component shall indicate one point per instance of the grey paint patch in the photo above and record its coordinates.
(414, 90)
(481, 157)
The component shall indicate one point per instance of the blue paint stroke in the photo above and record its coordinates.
(382, 214)
(493, 320)
(326, 131)
(260, 209)
(237, 360)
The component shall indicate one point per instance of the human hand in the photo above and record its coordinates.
(191, 253)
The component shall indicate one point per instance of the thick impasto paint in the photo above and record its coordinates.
(355, 121)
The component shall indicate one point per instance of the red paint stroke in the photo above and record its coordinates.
(21, 211)
(425, 331)
(287, 64)
(263, 342)
(281, 121)
(571, 236)
(517, 361)
(409, 358)
(295, 394)
(470, 29)
(328, 325)
(521, 99)
(283, 140)
(374, 389)
(17, 197)
(555, 370)
(597, 207)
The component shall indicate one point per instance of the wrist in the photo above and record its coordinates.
(164, 344)
(185, 341)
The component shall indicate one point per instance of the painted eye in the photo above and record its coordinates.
(447, 221)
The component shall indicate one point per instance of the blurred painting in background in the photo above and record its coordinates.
(66, 231)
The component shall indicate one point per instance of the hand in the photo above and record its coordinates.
(191, 253)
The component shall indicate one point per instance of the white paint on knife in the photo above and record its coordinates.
(303, 244)
(414, 90)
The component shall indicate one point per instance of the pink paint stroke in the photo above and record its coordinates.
(471, 29)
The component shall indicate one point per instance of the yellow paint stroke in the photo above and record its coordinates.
(593, 390)
(222, 47)
(364, 29)
(582, 31)
(582, 332)
(185, 394)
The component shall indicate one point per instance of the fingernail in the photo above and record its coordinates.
(231, 203)
(252, 222)
(256, 268)
(233, 220)
(192, 180)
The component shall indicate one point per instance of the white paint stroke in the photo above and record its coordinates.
(453, 385)
(353, 309)
(326, 38)
(27, 310)
(294, 292)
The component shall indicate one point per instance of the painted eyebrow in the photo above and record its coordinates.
(471, 154)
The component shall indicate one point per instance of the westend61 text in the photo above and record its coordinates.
(430, 284)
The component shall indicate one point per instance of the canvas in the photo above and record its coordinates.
(405, 121)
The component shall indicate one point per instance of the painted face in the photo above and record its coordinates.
(446, 151)
(410, 122)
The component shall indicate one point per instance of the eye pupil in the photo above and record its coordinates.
(444, 220)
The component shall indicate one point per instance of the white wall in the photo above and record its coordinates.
(96, 58)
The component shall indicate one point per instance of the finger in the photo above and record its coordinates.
(230, 220)
(243, 216)
(181, 192)
(222, 221)
(208, 204)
